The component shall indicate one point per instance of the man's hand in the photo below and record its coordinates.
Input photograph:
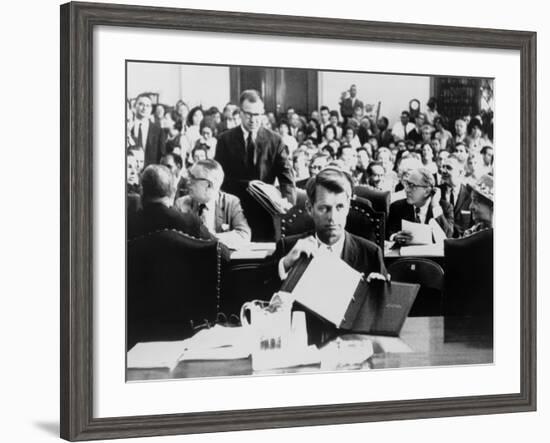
(403, 238)
(377, 276)
(305, 246)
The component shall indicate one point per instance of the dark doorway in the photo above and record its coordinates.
(280, 88)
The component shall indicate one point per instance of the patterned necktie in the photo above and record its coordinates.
(417, 214)
(250, 148)
(452, 197)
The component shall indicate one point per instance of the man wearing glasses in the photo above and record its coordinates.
(221, 213)
(421, 204)
(253, 152)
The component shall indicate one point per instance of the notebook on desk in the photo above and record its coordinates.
(331, 289)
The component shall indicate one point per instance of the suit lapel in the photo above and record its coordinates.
(349, 252)
(462, 195)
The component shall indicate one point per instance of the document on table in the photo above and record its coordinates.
(160, 354)
(421, 233)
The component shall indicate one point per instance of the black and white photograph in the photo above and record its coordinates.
(283, 220)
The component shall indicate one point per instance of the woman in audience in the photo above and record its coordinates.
(481, 206)
(207, 137)
(313, 130)
(443, 135)
(194, 120)
(179, 115)
(329, 135)
(350, 138)
(428, 158)
(476, 139)
(289, 141)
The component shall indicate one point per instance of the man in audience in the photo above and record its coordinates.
(325, 117)
(374, 175)
(439, 159)
(461, 136)
(137, 152)
(199, 152)
(348, 157)
(251, 152)
(158, 191)
(363, 159)
(349, 103)
(317, 163)
(454, 191)
(416, 133)
(146, 133)
(401, 128)
(384, 135)
(421, 204)
(220, 212)
(487, 156)
(334, 121)
(174, 162)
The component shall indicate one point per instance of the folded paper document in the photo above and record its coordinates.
(421, 233)
(328, 287)
(269, 197)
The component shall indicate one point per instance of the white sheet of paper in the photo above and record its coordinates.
(421, 233)
(158, 354)
(439, 235)
(327, 286)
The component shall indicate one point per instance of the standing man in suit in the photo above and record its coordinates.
(422, 203)
(349, 103)
(252, 152)
(454, 191)
(145, 132)
(220, 212)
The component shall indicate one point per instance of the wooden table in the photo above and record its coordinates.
(424, 341)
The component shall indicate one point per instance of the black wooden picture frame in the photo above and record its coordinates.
(77, 215)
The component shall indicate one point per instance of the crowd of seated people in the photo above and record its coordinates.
(430, 168)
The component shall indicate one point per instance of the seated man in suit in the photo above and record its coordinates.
(220, 212)
(158, 191)
(421, 204)
(455, 191)
(329, 194)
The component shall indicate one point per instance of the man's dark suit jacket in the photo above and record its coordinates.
(156, 217)
(461, 209)
(155, 147)
(272, 161)
(346, 107)
(401, 210)
(361, 254)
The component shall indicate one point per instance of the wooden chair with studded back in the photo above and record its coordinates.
(174, 284)
(380, 200)
(429, 275)
(469, 288)
(362, 220)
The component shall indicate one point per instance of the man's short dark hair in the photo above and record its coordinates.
(333, 180)
(405, 113)
(371, 165)
(324, 108)
(177, 159)
(334, 114)
(329, 127)
(132, 149)
(485, 148)
(144, 94)
(250, 95)
(341, 149)
(200, 147)
(156, 182)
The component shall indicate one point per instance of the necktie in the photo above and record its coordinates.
(140, 136)
(250, 148)
(404, 132)
(452, 197)
(202, 210)
(417, 214)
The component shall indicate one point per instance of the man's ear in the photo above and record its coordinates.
(309, 207)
